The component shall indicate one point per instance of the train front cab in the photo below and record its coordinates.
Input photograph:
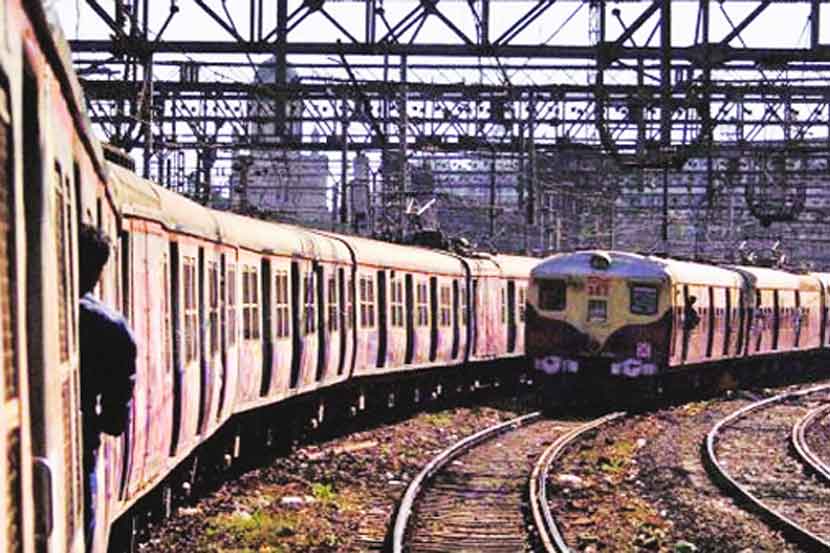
(597, 314)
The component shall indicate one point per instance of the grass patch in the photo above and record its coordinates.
(324, 493)
(262, 530)
(441, 420)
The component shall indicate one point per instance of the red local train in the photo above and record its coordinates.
(233, 316)
(599, 319)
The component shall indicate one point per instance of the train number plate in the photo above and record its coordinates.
(598, 286)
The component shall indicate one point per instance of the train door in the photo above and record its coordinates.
(332, 336)
(409, 291)
(16, 532)
(52, 356)
(511, 316)
(135, 295)
(296, 341)
(382, 319)
(728, 321)
(342, 315)
(125, 253)
(474, 318)
(224, 336)
(158, 283)
(685, 326)
(776, 319)
(739, 348)
(322, 330)
(201, 353)
(433, 320)
(455, 319)
(267, 328)
(797, 316)
(178, 375)
(711, 313)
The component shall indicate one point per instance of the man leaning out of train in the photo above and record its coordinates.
(108, 354)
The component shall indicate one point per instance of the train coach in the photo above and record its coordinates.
(598, 319)
(235, 318)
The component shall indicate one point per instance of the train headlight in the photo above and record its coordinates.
(600, 261)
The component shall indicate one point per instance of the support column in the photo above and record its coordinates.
(344, 157)
(403, 132)
(281, 69)
(665, 107)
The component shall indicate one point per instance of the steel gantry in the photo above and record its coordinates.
(194, 84)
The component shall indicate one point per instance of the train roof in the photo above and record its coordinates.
(622, 265)
(823, 277)
(628, 265)
(689, 272)
(516, 266)
(388, 254)
(763, 277)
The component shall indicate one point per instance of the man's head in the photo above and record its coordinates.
(93, 253)
(692, 300)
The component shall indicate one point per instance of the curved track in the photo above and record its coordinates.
(550, 537)
(472, 495)
(749, 454)
(801, 444)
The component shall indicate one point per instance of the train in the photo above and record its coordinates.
(600, 322)
(233, 316)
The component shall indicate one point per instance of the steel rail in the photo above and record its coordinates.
(442, 459)
(718, 473)
(549, 534)
(802, 448)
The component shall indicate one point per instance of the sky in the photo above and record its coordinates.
(567, 22)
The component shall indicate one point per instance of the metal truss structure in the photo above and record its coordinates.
(650, 84)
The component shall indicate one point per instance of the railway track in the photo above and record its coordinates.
(801, 442)
(759, 454)
(474, 496)
(550, 538)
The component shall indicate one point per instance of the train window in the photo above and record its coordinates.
(422, 304)
(396, 303)
(552, 295)
(254, 276)
(231, 316)
(332, 303)
(644, 299)
(250, 303)
(246, 300)
(213, 306)
(310, 322)
(191, 309)
(60, 245)
(445, 318)
(503, 305)
(367, 302)
(597, 310)
(522, 300)
(282, 318)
